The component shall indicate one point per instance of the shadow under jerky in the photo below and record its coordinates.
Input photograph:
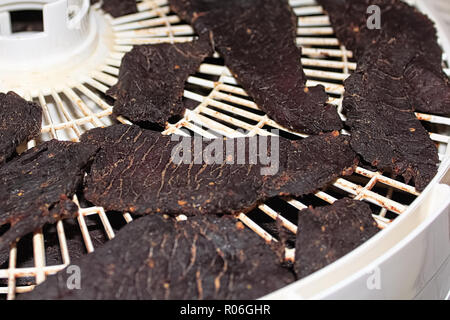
(257, 39)
(134, 172)
(205, 257)
(36, 186)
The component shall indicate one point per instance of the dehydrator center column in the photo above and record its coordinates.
(73, 41)
(69, 33)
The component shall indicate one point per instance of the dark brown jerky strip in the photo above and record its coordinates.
(257, 40)
(428, 87)
(202, 258)
(384, 131)
(36, 186)
(325, 234)
(117, 8)
(398, 73)
(405, 33)
(398, 21)
(152, 79)
(20, 121)
(134, 172)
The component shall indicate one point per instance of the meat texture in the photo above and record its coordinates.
(36, 186)
(136, 170)
(325, 234)
(257, 39)
(413, 50)
(118, 8)
(152, 78)
(205, 257)
(399, 72)
(20, 121)
(53, 253)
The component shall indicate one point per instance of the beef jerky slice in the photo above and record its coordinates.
(134, 171)
(203, 258)
(416, 55)
(118, 8)
(327, 233)
(152, 78)
(20, 121)
(384, 131)
(36, 186)
(398, 21)
(399, 72)
(257, 39)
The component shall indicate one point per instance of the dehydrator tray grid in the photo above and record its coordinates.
(223, 108)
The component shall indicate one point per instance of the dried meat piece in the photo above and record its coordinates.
(26, 21)
(134, 171)
(380, 114)
(384, 132)
(53, 250)
(399, 21)
(152, 78)
(203, 258)
(399, 71)
(20, 121)
(325, 234)
(412, 51)
(118, 8)
(36, 186)
(257, 40)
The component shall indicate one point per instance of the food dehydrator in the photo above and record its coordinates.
(68, 68)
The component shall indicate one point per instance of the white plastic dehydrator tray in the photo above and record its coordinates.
(410, 258)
